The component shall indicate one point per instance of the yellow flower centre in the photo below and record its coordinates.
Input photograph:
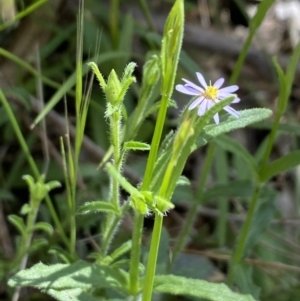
(211, 92)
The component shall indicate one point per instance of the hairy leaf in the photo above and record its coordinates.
(178, 285)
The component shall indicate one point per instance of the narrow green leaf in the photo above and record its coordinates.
(97, 206)
(62, 254)
(17, 222)
(281, 165)
(292, 66)
(177, 285)
(123, 182)
(135, 145)
(10, 16)
(37, 244)
(283, 95)
(260, 14)
(263, 216)
(242, 189)
(124, 248)
(236, 148)
(44, 227)
(244, 280)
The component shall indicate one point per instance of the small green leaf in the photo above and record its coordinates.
(25, 209)
(61, 253)
(97, 206)
(124, 248)
(281, 165)
(17, 222)
(177, 285)
(98, 74)
(123, 182)
(37, 244)
(44, 227)
(135, 145)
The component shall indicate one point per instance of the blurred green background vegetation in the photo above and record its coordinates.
(37, 60)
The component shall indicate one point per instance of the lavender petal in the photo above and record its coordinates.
(202, 107)
(186, 90)
(219, 83)
(195, 103)
(232, 111)
(191, 84)
(201, 79)
(216, 118)
(229, 89)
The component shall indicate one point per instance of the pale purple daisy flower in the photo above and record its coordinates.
(209, 95)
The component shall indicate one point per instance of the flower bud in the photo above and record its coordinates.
(113, 88)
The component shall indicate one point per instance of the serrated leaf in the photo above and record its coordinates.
(97, 206)
(17, 222)
(44, 227)
(79, 275)
(281, 165)
(177, 285)
(135, 145)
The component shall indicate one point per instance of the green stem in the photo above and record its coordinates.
(155, 142)
(114, 17)
(32, 164)
(26, 239)
(112, 220)
(242, 240)
(271, 140)
(25, 243)
(135, 253)
(116, 133)
(151, 266)
(181, 241)
(139, 221)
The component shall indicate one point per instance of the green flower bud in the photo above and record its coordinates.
(113, 88)
(39, 189)
(151, 71)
